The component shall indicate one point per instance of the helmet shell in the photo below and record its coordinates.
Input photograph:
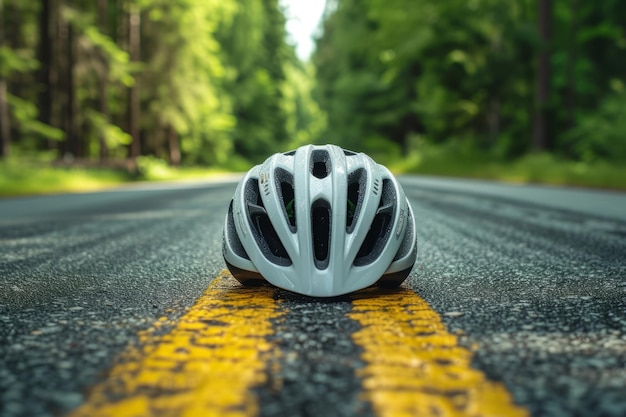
(320, 221)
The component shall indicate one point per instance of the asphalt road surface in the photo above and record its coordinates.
(116, 303)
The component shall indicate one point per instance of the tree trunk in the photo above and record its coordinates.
(103, 102)
(5, 121)
(571, 65)
(134, 45)
(540, 134)
(173, 145)
(494, 112)
(74, 146)
(121, 32)
(47, 49)
(44, 55)
(58, 41)
(494, 117)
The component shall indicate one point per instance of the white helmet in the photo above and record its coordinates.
(320, 221)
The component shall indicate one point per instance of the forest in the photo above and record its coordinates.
(216, 83)
(186, 81)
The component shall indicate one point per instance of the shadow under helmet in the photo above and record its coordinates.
(320, 221)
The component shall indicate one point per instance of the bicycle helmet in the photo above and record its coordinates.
(320, 221)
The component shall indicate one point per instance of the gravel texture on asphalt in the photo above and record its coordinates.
(78, 282)
(535, 287)
(315, 374)
(543, 292)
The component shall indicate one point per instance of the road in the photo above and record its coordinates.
(116, 303)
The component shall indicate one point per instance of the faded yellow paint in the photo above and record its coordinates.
(205, 366)
(414, 367)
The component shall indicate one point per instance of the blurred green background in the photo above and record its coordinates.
(98, 92)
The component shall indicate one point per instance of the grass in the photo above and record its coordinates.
(22, 176)
(18, 177)
(540, 168)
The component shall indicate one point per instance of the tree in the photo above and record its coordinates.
(188, 111)
(103, 100)
(256, 54)
(448, 71)
(571, 64)
(5, 127)
(134, 50)
(73, 144)
(47, 69)
(541, 128)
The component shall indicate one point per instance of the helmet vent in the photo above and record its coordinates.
(380, 230)
(320, 227)
(356, 187)
(348, 153)
(284, 182)
(264, 233)
(320, 164)
(290, 153)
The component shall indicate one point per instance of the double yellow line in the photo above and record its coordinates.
(218, 352)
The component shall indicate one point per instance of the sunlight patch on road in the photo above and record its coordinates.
(206, 366)
(414, 367)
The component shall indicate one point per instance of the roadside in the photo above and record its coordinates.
(540, 168)
(20, 177)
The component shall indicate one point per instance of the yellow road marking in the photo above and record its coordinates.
(414, 367)
(206, 366)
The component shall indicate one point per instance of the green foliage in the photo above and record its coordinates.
(440, 87)
(93, 41)
(185, 62)
(305, 120)
(15, 62)
(25, 115)
(151, 168)
(25, 175)
(601, 134)
(20, 176)
(257, 55)
(465, 72)
(215, 77)
(464, 159)
(114, 137)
